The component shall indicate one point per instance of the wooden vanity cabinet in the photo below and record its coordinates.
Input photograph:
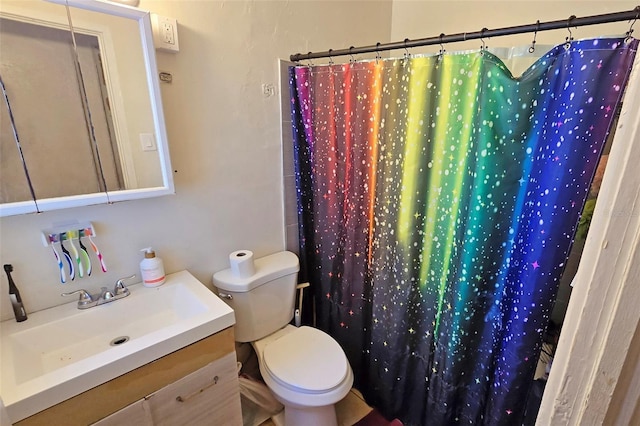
(204, 397)
(135, 414)
(196, 385)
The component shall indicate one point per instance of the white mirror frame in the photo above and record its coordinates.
(144, 22)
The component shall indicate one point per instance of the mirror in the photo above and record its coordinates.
(114, 150)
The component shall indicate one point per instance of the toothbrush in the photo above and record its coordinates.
(72, 270)
(84, 252)
(53, 238)
(89, 232)
(14, 295)
(71, 235)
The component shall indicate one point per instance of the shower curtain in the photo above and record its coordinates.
(438, 198)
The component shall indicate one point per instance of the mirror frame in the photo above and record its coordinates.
(143, 19)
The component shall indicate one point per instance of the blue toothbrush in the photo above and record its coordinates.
(72, 270)
(53, 238)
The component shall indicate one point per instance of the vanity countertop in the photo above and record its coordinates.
(62, 351)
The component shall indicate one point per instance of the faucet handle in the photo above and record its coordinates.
(84, 298)
(120, 288)
(105, 294)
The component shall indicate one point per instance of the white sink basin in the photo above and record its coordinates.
(63, 351)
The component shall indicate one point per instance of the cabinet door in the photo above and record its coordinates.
(136, 414)
(209, 396)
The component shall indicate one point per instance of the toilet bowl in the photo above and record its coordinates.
(305, 368)
(307, 371)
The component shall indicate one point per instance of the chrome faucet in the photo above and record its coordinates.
(87, 300)
(120, 288)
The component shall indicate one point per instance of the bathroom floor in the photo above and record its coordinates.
(350, 410)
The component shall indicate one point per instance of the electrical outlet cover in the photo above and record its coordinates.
(165, 33)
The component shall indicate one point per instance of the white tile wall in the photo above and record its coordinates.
(288, 171)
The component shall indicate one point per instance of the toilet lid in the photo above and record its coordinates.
(307, 360)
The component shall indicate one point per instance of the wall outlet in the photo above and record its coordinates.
(165, 33)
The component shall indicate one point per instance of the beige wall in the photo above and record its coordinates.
(225, 136)
(224, 139)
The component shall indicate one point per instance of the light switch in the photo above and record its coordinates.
(147, 141)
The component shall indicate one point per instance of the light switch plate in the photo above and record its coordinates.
(165, 33)
(148, 142)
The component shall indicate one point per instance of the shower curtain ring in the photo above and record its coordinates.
(377, 52)
(484, 46)
(352, 58)
(535, 34)
(569, 39)
(407, 55)
(628, 37)
(330, 58)
(310, 60)
(441, 45)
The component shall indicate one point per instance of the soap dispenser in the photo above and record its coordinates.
(151, 269)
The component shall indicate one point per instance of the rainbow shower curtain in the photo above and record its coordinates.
(438, 198)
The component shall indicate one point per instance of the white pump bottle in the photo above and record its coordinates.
(151, 269)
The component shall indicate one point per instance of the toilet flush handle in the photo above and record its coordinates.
(225, 296)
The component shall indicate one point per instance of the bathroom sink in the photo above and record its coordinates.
(63, 351)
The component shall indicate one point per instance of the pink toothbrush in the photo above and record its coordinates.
(89, 233)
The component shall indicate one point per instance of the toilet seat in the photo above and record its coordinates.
(319, 364)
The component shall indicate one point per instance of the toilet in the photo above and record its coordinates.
(305, 368)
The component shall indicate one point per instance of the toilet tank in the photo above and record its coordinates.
(263, 302)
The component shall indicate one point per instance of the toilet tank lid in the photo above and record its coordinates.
(267, 268)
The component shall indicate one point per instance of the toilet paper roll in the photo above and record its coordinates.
(241, 262)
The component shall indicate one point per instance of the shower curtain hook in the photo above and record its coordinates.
(352, 59)
(310, 60)
(330, 58)
(377, 52)
(535, 34)
(484, 46)
(628, 37)
(407, 55)
(441, 45)
(569, 39)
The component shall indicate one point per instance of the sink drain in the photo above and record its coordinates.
(119, 340)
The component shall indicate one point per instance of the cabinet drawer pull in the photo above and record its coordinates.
(185, 398)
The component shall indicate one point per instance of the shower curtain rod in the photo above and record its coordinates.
(572, 21)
